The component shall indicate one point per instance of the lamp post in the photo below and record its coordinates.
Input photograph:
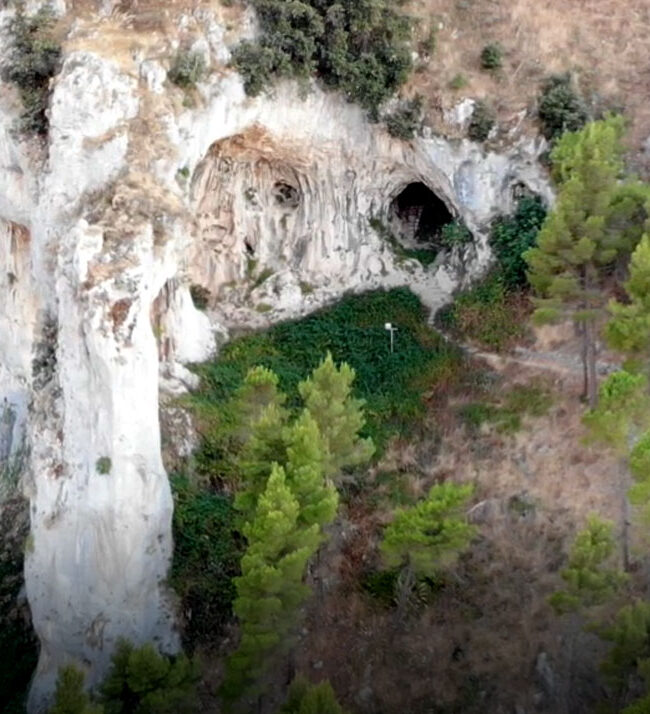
(388, 326)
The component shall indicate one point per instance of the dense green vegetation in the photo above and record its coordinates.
(512, 235)
(392, 384)
(207, 551)
(360, 47)
(34, 58)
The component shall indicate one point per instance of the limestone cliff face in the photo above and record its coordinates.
(265, 205)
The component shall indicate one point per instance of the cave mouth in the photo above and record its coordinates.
(417, 216)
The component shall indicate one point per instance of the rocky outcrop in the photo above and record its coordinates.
(264, 205)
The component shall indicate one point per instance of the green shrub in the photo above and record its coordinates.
(512, 235)
(142, 681)
(103, 465)
(487, 314)
(404, 122)
(188, 69)
(560, 107)
(481, 123)
(392, 384)
(207, 551)
(533, 400)
(360, 48)
(455, 234)
(492, 56)
(458, 81)
(34, 58)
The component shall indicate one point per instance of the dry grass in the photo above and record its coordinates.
(474, 648)
(605, 42)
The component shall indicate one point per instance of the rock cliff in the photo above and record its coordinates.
(141, 197)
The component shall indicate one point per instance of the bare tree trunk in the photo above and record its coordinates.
(590, 363)
(624, 481)
(582, 329)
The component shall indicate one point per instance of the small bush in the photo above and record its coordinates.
(103, 465)
(404, 122)
(34, 58)
(481, 123)
(560, 107)
(188, 69)
(512, 235)
(455, 234)
(458, 81)
(492, 56)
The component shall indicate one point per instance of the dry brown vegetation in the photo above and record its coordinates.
(604, 42)
(476, 645)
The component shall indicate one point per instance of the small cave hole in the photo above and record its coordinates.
(200, 296)
(417, 216)
(286, 195)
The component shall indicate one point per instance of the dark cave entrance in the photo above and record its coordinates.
(416, 217)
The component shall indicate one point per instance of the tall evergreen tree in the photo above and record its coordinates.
(339, 416)
(575, 242)
(270, 588)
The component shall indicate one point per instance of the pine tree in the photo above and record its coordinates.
(589, 582)
(430, 535)
(339, 416)
(306, 698)
(575, 242)
(623, 411)
(70, 697)
(265, 446)
(142, 680)
(630, 653)
(629, 328)
(306, 455)
(270, 588)
(621, 417)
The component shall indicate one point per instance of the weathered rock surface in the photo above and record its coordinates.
(264, 204)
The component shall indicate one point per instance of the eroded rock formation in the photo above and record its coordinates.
(264, 205)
